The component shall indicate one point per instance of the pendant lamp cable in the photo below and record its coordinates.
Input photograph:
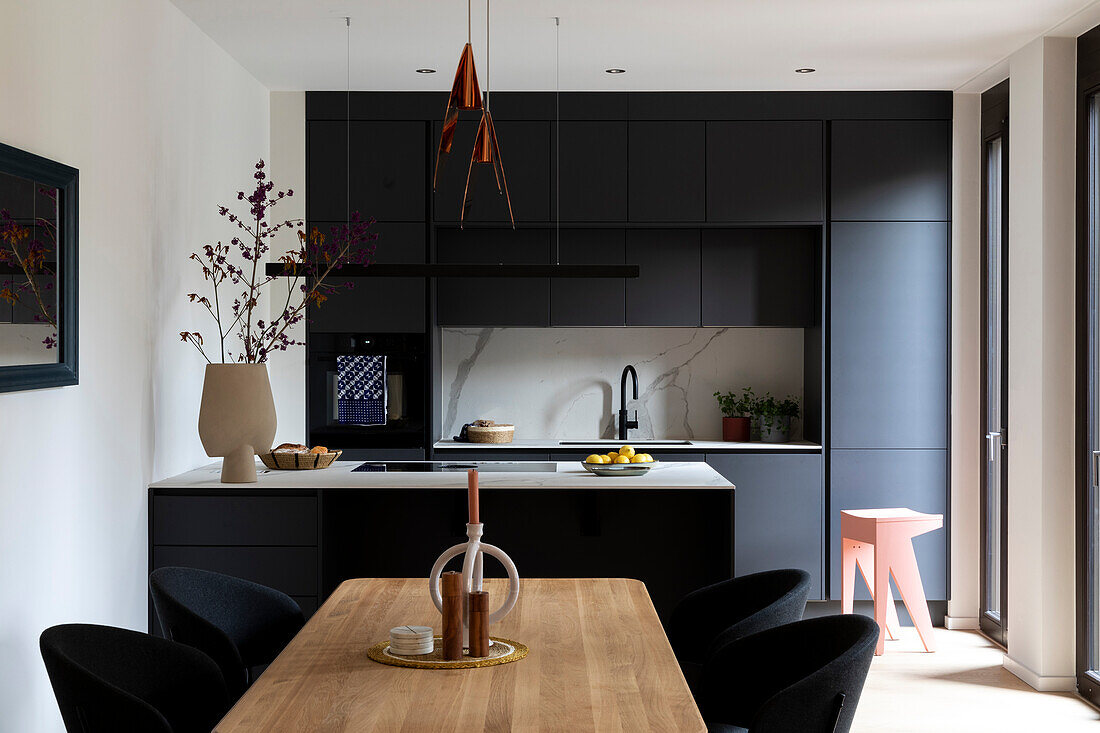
(486, 55)
(347, 211)
(557, 140)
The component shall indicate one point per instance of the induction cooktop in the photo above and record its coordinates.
(456, 466)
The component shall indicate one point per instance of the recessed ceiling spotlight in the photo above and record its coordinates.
(425, 71)
(805, 70)
(614, 71)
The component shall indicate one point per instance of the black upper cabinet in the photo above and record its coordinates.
(525, 151)
(593, 171)
(667, 171)
(891, 170)
(379, 304)
(889, 329)
(387, 170)
(759, 277)
(493, 301)
(667, 291)
(765, 171)
(590, 301)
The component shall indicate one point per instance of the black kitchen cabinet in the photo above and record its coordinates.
(872, 479)
(378, 304)
(777, 512)
(666, 293)
(589, 301)
(525, 151)
(472, 301)
(658, 455)
(387, 170)
(765, 171)
(667, 171)
(759, 277)
(891, 170)
(889, 335)
(593, 161)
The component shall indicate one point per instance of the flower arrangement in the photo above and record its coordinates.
(308, 271)
(28, 254)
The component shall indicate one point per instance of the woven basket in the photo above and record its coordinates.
(299, 461)
(491, 434)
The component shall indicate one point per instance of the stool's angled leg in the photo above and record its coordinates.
(848, 551)
(907, 577)
(865, 561)
(882, 595)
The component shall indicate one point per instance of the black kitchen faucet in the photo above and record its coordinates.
(624, 423)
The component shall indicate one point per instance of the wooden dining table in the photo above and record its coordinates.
(599, 660)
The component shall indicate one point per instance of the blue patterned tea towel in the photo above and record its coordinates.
(361, 389)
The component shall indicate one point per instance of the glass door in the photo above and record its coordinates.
(994, 530)
(1088, 679)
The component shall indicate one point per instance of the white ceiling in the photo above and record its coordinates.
(663, 44)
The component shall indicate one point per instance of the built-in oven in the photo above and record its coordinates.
(400, 422)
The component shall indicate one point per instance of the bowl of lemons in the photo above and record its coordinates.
(622, 462)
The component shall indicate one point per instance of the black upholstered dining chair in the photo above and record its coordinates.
(805, 676)
(108, 680)
(238, 623)
(710, 617)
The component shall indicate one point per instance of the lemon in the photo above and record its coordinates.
(627, 451)
(612, 456)
(622, 459)
(640, 458)
(648, 458)
(594, 459)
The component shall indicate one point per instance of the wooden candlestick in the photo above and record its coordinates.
(472, 496)
(479, 623)
(452, 615)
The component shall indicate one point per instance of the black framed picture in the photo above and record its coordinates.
(38, 271)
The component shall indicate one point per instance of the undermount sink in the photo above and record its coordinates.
(627, 442)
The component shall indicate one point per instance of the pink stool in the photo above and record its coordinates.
(880, 543)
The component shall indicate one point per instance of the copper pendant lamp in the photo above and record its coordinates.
(465, 95)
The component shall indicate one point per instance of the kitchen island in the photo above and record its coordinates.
(305, 532)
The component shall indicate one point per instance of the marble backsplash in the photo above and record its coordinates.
(564, 382)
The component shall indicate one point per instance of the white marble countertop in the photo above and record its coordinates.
(568, 475)
(696, 446)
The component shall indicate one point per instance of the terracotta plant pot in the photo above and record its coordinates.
(237, 418)
(736, 429)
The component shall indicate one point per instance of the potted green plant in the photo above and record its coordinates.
(772, 417)
(736, 414)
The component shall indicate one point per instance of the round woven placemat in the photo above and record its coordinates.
(502, 651)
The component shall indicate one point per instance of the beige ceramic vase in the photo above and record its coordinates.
(237, 418)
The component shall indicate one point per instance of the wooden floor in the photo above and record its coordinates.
(962, 687)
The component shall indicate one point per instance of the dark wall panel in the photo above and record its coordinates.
(889, 335)
(593, 171)
(765, 171)
(493, 301)
(891, 170)
(667, 291)
(595, 301)
(387, 170)
(759, 277)
(667, 171)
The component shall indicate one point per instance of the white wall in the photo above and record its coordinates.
(1040, 364)
(564, 382)
(962, 609)
(163, 126)
(287, 369)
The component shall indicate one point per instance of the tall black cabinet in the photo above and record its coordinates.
(888, 321)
